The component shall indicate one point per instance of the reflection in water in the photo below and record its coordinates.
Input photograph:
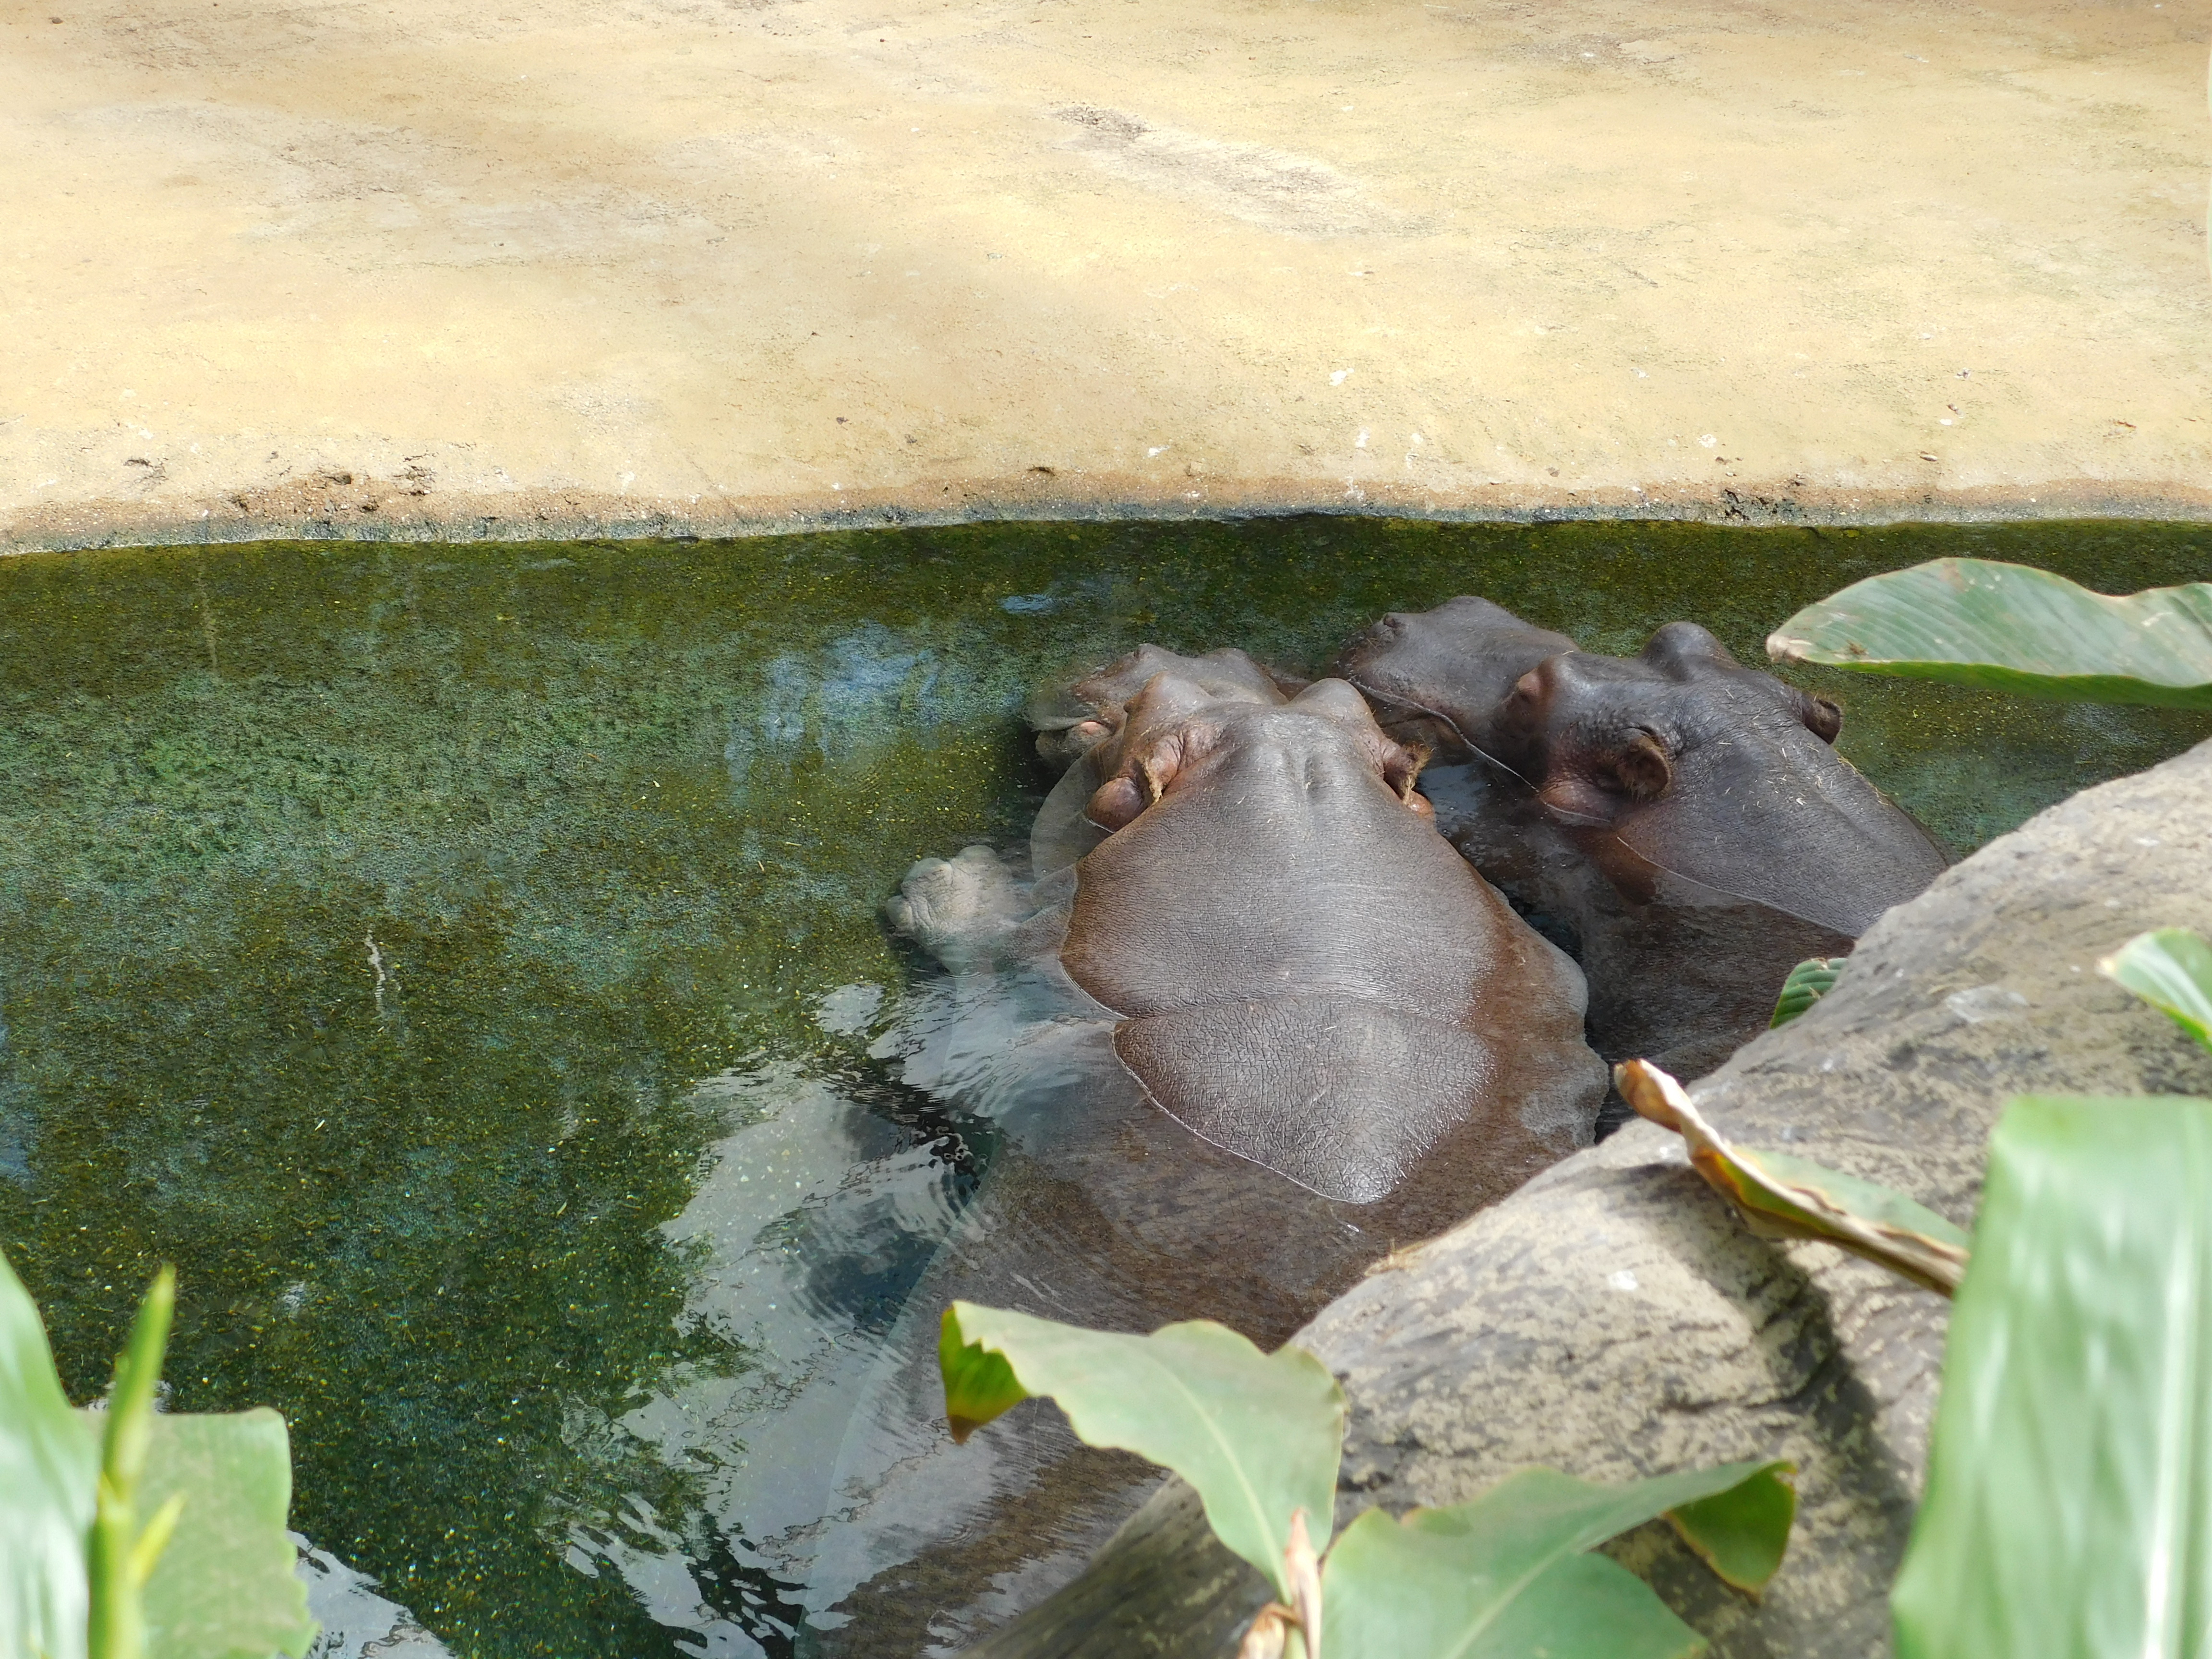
(466, 972)
(862, 691)
(356, 1622)
(816, 1218)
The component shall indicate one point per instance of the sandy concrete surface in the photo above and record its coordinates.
(385, 267)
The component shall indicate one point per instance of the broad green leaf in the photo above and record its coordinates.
(1256, 1434)
(1505, 1576)
(226, 1587)
(2069, 1505)
(1808, 982)
(49, 1462)
(2171, 970)
(1784, 1197)
(1585, 1606)
(2011, 628)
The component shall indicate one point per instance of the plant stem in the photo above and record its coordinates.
(116, 1567)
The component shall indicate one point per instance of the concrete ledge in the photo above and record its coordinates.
(553, 268)
(368, 509)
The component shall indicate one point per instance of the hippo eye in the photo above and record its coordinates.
(1640, 769)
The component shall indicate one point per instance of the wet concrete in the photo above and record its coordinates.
(678, 266)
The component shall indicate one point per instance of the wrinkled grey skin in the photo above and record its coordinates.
(1269, 1029)
(1442, 677)
(1614, 1320)
(1682, 819)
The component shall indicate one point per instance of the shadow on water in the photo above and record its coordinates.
(463, 963)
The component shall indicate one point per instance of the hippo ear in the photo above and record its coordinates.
(1640, 768)
(1823, 716)
(1140, 782)
(1401, 769)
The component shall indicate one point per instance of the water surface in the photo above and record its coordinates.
(462, 961)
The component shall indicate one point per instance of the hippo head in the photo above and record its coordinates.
(1438, 678)
(1307, 972)
(1071, 719)
(1681, 761)
(1180, 734)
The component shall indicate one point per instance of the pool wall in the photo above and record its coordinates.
(560, 269)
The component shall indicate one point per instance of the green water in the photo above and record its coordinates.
(369, 914)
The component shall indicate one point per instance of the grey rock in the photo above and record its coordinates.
(1612, 1319)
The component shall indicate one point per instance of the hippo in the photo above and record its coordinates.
(1682, 822)
(1247, 1023)
(1072, 719)
(1075, 721)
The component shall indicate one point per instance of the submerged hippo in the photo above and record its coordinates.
(1070, 720)
(1685, 818)
(1307, 974)
(1265, 1025)
(1076, 723)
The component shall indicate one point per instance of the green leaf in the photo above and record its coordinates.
(979, 1384)
(2010, 628)
(2069, 1503)
(1784, 1197)
(1803, 1182)
(2171, 970)
(1741, 1533)
(226, 1587)
(1505, 1576)
(49, 1462)
(1585, 1606)
(1808, 982)
(1257, 1434)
